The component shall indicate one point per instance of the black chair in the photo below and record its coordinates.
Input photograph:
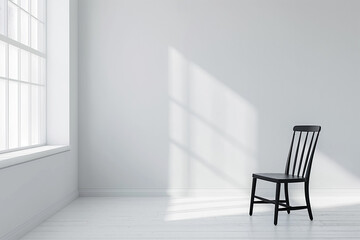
(301, 168)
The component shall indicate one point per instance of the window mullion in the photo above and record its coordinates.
(7, 96)
(18, 22)
(30, 87)
(22, 46)
(39, 103)
(30, 80)
(30, 114)
(19, 114)
(6, 9)
(19, 76)
(23, 82)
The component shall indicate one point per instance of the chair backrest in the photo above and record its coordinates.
(302, 149)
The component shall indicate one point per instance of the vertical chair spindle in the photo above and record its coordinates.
(302, 153)
(296, 154)
(308, 154)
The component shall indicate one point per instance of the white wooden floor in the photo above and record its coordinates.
(197, 218)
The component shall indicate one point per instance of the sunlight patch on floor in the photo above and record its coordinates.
(202, 207)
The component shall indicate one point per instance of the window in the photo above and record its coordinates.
(22, 74)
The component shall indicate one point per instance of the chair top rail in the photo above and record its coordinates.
(307, 128)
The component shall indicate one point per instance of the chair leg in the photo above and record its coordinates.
(286, 188)
(252, 196)
(307, 198)
(277, 196)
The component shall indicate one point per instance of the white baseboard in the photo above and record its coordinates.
(158, 192)
(243, 192)
(122, 192)
(36, 220)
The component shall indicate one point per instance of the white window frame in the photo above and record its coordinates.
(42, 124)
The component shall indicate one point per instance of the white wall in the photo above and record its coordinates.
(33, 191)
(200, 94)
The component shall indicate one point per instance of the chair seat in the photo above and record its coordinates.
(278, 177)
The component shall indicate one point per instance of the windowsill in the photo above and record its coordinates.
(28, 155)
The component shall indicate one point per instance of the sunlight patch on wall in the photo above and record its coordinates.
(223, 108)
(178, 75)
(326, 185)
(178, 118)
(331, 174)
(212, 130)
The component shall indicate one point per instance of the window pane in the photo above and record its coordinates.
(13, 62)
(37, 35)
(42, 73)
(13, 114)
(34, 8)
(13, 21)
(2, 115)
(25, 61)
(41, 10)
(24, 28)
(2, 59)
(2, 17)
(25, 4)
(41, 37)
(34, 33)
(25, 117)
(42, 115)
(35, 69)
(35, 118)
